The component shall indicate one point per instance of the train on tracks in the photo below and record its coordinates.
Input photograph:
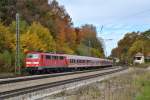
(52, 62)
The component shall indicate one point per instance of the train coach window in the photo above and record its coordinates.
(80, 61)
(83, 61)
(86, 61)
(54, 57)
(74, 61)
(48, 57)
(61, 57)
(71, 61)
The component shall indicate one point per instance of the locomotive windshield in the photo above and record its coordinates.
(34, 56)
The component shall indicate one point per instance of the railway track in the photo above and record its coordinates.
(77, 77)
(34, 77)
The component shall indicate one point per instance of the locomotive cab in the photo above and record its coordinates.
(33, 60)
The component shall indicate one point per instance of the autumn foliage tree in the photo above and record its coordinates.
(45, 27)
(38, 38)
(6, 38)
(131, 44)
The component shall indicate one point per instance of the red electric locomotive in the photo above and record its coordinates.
(48, 62)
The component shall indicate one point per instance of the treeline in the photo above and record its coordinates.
(131, 44)
(43, 27)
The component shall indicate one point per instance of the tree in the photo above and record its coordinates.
(131, 44)
(124, 45)
(83, 50)
(146, 34)
(23, 26)
(38, 38)
(142, 46)
(6, 38)
(96, 53)
(6, 61)
(7, 11)
(87, 36)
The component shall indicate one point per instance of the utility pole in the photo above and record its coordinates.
(17, 62)
(89, 48)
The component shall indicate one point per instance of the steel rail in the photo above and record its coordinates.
(13, 93)
(35, 77)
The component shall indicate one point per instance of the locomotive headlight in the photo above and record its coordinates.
(32, 62)
(35, 62)
(28, 62)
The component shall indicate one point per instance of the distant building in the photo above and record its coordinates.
(139, 58)
(117, 60)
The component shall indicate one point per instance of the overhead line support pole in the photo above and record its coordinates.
(17, 63)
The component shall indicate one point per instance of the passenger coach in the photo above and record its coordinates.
(48, 62)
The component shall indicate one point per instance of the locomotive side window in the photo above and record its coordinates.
(34, 56)
(48, 57)
(54, 57)
(61, 57)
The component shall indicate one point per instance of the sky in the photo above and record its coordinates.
(117, 17)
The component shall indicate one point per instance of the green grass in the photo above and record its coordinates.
(145, 94)
(143, 83)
